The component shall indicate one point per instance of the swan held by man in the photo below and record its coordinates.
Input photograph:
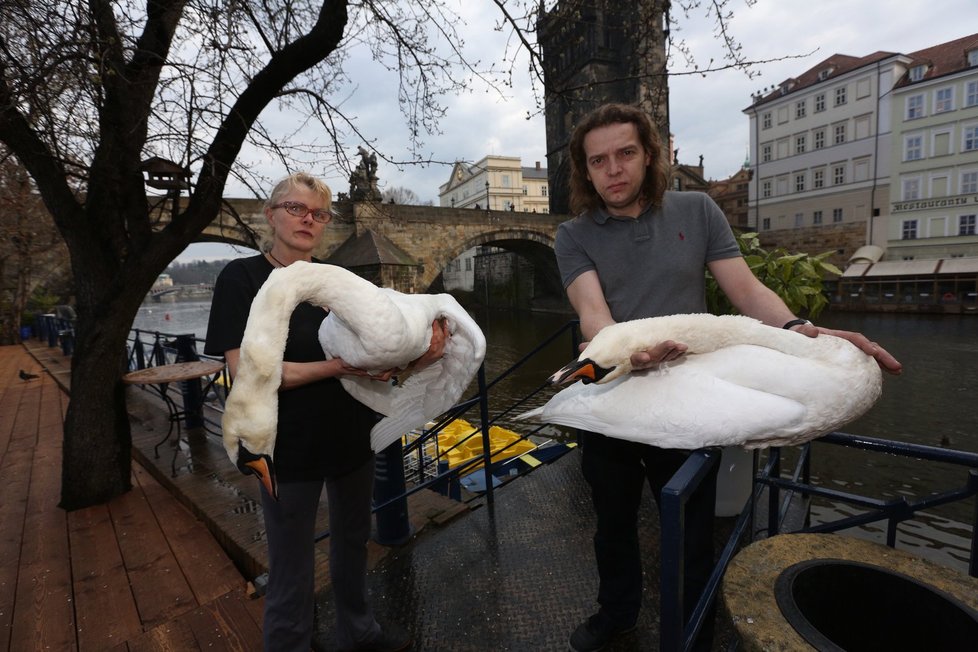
(740, 383)
(371, 328)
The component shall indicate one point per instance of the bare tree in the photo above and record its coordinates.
(402, 195)
(32, 253)
(90, 89)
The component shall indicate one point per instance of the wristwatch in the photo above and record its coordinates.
(797, 322)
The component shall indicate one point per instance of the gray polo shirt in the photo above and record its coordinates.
(653, 265)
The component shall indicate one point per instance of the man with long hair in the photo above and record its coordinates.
(636, 250)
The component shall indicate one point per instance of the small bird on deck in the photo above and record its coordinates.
(27, 376)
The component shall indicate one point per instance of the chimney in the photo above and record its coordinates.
(538, 165)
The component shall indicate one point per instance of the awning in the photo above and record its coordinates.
(867, 254)
(902, 268)
(960, 266)
(855, 270)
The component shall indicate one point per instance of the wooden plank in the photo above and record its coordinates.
(44, 614)
(105, 608)
(16, 472)
(207, 567)
(173, 636)
(160, 589)
(225, 624)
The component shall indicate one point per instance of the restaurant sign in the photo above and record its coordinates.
(926, 204)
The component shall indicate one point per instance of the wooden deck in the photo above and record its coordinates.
(138, 573)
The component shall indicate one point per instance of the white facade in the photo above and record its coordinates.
(820, 147)
(501, 181)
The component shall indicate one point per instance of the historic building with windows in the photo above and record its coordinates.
(877, 155)
(498, 183)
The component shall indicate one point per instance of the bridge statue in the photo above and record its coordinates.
(363, 179)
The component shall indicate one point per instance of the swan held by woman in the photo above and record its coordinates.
(370, 328)
(739, 383)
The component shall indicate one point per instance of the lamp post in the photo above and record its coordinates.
(487, 191)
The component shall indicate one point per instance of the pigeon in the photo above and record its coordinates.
(27, 376)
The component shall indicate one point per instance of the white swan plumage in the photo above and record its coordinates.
(368, 327)
(741, 383)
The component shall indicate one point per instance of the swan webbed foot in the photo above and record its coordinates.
(260, 465)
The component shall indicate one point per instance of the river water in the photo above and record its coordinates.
(933, 403)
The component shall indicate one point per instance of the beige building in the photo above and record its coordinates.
(934, 160)
(500, 181)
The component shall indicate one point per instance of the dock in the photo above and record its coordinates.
(518, 575)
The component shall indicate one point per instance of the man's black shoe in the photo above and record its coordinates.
(595, 633)
(390, 639)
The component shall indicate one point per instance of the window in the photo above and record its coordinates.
(766, 120)
(765, 153)
(917, 73)
(819, 139)
(915, 107)
(840, 134)
(971, 93)
(840, 96)
(911, 189)
(819, 102)
(838, 175)
(543, 190)
(799, 183)
(799, 219)
(818, 178)
(969, 182)
(766, 189)
(766, 224)
(942, 144)
(970, 139)
(799, 145)
(800, 110)
(836, 214)
(817, 217)
(824, 73)
(505, 181)
(913, 148)
(943, 100)
(966, 225)
(909, 229)
(526, 191)
(973, 58)
(468, 264)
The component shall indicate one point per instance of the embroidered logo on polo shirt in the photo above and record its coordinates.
(682, 236)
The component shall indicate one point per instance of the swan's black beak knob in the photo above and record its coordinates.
(586, 370)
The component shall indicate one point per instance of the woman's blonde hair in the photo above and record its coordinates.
(301, 179)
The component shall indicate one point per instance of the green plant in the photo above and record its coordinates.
(796, 278)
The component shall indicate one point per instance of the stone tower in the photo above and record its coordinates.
(598, 51)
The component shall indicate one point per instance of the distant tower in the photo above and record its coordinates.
(598, 51)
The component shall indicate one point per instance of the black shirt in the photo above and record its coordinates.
(322, 431)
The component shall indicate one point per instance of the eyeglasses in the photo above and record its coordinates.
(298, 209)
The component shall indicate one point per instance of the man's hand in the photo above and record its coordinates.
(665, 351)
(883, 357)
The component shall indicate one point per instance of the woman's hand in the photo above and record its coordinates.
(436, 348)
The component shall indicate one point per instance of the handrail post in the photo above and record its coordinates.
(484, 424)
(675, 495)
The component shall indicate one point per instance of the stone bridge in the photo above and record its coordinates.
(431, 236)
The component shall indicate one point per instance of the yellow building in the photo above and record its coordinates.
(501, 182)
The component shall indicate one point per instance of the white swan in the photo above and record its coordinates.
(740, 383)
(370, 328)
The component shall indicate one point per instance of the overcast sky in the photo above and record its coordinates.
(705, 111)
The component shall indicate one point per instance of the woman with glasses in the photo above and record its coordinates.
(323, 438)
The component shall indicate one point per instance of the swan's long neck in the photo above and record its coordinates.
(704, 333)
(263, 344)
